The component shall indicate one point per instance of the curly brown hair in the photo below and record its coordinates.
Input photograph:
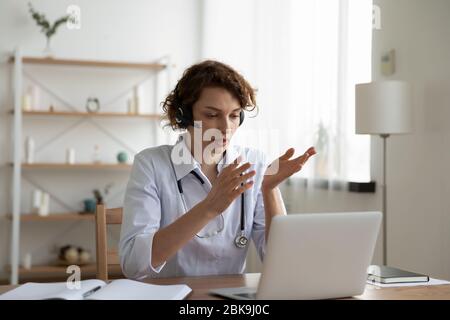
(208, 73)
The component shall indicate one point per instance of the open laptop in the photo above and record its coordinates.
(314, 256)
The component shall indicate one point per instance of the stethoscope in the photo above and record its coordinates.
(241, 240)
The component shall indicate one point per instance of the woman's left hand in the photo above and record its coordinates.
(277, 173)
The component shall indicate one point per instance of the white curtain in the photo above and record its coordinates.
(304, 57)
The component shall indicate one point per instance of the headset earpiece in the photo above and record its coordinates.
(183, 117)
(241, 117)
(179, 116)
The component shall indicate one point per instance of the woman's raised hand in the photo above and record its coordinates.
(284, 167)
(229, 184)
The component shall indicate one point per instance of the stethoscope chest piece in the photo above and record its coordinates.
(241, 241)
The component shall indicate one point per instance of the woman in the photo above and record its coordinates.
(190, 208)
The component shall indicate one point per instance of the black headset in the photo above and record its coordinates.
(183, 117)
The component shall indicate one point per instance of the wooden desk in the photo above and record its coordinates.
(201, 285)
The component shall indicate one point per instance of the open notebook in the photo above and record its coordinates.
(122, 289)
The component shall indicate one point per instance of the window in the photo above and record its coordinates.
(304, 57)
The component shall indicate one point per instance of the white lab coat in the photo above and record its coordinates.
(153, 201)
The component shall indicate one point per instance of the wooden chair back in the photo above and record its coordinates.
(105, 258)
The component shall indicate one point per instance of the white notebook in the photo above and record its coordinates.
(122, 289)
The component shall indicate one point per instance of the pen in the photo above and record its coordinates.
(88, 293)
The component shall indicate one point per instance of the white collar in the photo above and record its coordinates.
(188, 163)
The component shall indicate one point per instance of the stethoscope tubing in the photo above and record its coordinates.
(241, 240)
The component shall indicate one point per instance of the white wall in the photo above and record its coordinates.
(137, 30)
(418, 164)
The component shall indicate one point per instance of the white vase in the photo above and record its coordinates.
(26, 102)
(37, 200)
(29, 150)
(136, 99)
(45, 204)
(35, 97)
(48, 52)
(70, 156)
(26, 261)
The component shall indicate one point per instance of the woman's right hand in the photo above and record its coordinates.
(227, 186)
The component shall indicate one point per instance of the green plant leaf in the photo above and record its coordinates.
(42, 21)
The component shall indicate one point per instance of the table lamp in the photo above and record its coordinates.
(383, 108)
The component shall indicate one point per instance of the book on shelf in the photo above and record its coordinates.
(94, 289)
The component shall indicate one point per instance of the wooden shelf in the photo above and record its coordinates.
(48, 270)
(91, 63)
(51, 269)
(69, 216)
(90, 114)
(97, 166)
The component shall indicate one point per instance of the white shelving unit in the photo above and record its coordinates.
(17, 113)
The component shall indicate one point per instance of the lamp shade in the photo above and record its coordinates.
(383, 107)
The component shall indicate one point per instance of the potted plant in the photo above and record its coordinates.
(91, 203)
(46, 27)
(99, 196)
